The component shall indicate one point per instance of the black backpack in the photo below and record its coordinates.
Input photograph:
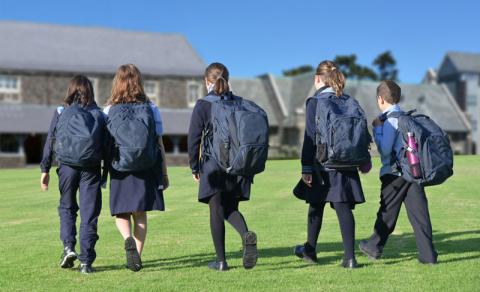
(132, 127)
(433, 149)
(239, 138)
(342, 136)
(79, 136)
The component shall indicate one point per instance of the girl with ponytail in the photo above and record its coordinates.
(221, 191)
(320, 185)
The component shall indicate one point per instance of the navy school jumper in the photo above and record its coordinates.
(212, 178)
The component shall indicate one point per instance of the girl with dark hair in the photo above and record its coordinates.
(221, 191)
(76, 136)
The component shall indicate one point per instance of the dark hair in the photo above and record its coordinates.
(217, 74)
(389, 91)
(331, 76)
(80, 90)
(127, 86)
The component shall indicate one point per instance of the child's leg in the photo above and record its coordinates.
(347, 228)
(391, 197)
(123, 225)
(139, 229)
(314, 224)
(233, 216)
(67, 210)
(90, 207)
(217, 225)
(417, 209)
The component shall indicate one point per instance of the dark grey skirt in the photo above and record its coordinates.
(338, 187)
(135, 192)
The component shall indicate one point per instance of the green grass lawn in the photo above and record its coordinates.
(179, 244)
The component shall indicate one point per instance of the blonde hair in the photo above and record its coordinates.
(331, 76)
(127, 86)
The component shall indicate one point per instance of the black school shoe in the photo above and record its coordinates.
(218, 266)
(432, 262)
(68, 257)
(309, 257)
(363, 246)
(134, 262)
(85, 268)
(250, 252)
(349, 263)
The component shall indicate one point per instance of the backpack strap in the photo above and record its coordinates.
(400, 113)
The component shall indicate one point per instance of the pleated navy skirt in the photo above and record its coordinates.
(135, 192)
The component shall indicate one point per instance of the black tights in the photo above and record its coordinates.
(224, 207)
(347, 226)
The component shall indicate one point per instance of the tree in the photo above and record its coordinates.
(349, 67)
(298, 70)
(386, 66)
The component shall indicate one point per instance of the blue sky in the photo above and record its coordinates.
(254, 37)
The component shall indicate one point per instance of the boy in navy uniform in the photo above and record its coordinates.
(395, 189)
(74, 178)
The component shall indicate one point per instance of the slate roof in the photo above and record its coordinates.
(465, 62)
(59, 48)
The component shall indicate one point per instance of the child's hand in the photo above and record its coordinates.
(307, 179)
(166, 182)
(44, 180)
(365, 168)
(377, 122)
(196, 177)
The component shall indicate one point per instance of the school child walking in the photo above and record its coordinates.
(227, 145)
(138, 172)
(336, 144)
(77, 138)
(395, 189)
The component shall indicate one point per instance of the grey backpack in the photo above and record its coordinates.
(79, 136)
(433, 149)
(132, 127)
(342, 136)
(239, 138)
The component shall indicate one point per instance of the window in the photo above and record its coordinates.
(9, 84)
(9, 144)
(94, 81)
(10, 89)
(471, 100)
(152, 91)
(194, 92)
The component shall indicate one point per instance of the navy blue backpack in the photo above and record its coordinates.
(239, 141)
(79, 136)
(342, 136)
(132, 127)
(433, 146)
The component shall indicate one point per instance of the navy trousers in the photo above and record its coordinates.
(88, 182)
(395, 191)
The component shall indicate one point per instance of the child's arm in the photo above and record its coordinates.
(198, 122)
(308, 148)
(46, 162)
(164, 163)
(384, 136)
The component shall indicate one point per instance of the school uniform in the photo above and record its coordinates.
(341, 188)
(137, 191)
(71, 179)
(394, 191)
(221, 191)
(213, 179)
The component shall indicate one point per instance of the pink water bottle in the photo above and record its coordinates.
(412, 155)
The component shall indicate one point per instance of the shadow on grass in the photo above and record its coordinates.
(400, 248)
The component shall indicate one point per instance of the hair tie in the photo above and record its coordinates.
(334, 68)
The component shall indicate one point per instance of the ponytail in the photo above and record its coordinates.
(217, 74)
(331, 76)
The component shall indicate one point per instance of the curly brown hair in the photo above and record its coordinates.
(127, 86)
